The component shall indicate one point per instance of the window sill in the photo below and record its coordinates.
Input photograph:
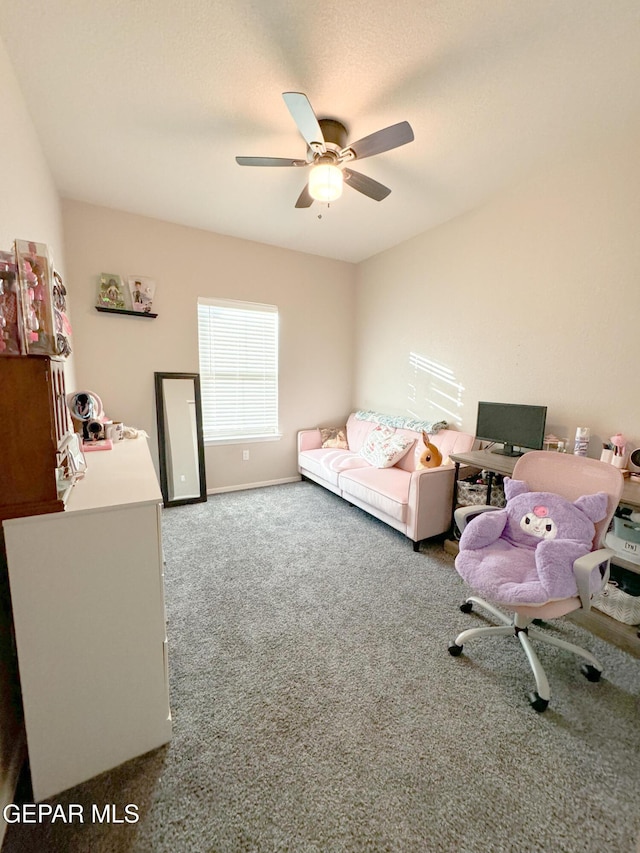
(249, 439)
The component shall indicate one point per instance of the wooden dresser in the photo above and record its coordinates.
(34, 426)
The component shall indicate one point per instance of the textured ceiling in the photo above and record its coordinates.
(142, 105)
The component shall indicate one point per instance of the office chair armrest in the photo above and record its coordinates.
(583, 568)
(464, 514)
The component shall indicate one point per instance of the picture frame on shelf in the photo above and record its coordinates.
(110, 292)
(142, 290)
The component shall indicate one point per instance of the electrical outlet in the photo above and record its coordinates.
(183, 479)
(245, 455)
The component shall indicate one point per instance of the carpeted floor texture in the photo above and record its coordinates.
(316, 707)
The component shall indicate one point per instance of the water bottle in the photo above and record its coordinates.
(581, 443)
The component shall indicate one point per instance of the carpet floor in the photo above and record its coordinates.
(316, 709)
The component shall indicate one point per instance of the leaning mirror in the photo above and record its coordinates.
(180, 442)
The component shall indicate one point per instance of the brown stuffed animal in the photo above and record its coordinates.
(430, 456)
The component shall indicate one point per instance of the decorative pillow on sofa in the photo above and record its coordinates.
(383, 447)
(335, 437)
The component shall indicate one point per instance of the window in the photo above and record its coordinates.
(238, 344)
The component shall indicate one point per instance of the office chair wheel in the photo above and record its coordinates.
(537, 703)
(455, 650)
(467, 607)
(590, 672)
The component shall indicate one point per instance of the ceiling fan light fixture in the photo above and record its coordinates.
(328, 148)
(325, 182)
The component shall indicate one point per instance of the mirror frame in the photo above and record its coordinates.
(162, 439)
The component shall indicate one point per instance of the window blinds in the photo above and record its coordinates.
(238, 343)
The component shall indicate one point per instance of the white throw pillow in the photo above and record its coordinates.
(383, 447)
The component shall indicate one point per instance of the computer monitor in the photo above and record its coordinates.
(513, 425)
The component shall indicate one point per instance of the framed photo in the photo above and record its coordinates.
(110, 292)
(142, 291)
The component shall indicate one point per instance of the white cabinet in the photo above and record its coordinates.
(88, 608)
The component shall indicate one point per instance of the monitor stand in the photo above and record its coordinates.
(507, 450)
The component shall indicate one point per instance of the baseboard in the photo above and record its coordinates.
(244, 486)
(9, 778)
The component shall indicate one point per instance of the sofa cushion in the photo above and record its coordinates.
(384, 447)
(357, 431)
(384, 489)
(335, 437)
(346, 461)
(327, 463)
(313, 461)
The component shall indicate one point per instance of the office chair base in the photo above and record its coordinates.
(523, 628)
(538, 703)
(590, 672)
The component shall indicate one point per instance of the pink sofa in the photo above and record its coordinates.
(418, 503)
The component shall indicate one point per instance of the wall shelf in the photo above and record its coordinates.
(124, 311)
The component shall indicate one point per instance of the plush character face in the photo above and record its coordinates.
(534, 516)
(539, 523)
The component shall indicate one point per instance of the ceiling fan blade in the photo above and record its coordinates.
(269, 161)
(304, 199)
(383, 140)
(366, 186)
(304, 116)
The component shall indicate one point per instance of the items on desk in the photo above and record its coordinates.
(619, 449)
(619, 443)
(98, 432)
(615, 451)
(552, 442)
(581, 443)
(114, 430)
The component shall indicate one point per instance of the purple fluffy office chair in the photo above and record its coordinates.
(540, 557)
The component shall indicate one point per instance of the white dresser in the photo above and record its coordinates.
(88, 608)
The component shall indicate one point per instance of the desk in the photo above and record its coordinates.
(495, 463)
(624, 636)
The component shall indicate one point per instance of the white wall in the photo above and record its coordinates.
(29, 210)
(533, 298)
(117, 356)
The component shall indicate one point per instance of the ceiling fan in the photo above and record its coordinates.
(327, 151)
